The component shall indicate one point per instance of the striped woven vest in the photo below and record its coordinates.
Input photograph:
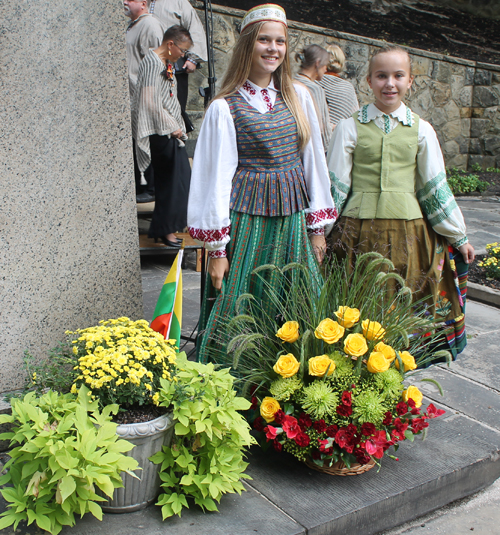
(269, 180)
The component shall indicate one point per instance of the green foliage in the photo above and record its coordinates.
(463, 182)
(63, 448)
(491, 263)
(205, 459)
(477, 167)
(493, 170)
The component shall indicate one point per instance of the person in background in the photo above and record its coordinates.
(340, 94)
(313, 61)
(160, 133)
(260, 191)
(143, 32)
(170, 12)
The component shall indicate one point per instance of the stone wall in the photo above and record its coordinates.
(460, 98)
(69, 253)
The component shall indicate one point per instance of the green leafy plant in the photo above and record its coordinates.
(64, 449)
(463, 182)
(491, 263)
(206, 458)
(476, 167)
(493, 170)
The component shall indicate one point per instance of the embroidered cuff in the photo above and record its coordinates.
(220, 253)
(459, 243)
(210, 237)
(320, 231)
(320, 218)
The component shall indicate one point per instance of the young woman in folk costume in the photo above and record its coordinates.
(259, 180)
(389, 184)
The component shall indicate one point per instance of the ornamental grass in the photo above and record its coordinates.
(325, 373)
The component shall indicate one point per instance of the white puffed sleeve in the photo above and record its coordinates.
(339, 159)
(433, 192)
(321, 210)
(214, 165)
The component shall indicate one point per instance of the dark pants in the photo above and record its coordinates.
(172, 179)
(148, 175)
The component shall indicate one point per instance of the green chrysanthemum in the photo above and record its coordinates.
(368, 406)
(343, 364)
(389, 382)
(320, 400)
(284, 387)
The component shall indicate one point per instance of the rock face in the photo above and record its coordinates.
(460, 98)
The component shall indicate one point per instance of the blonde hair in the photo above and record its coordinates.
(309, 55)
(239, 68)
(389, 48)
(337, 59)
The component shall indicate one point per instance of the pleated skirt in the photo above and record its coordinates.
(255, 241)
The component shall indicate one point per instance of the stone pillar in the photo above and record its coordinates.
(69, 253)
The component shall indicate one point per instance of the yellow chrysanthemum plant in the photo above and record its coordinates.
(328, 373)
(122, 361)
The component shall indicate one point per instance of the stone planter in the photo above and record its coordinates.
(148, 438)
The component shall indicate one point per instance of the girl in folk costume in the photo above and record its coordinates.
(389, 184)
(259, 178)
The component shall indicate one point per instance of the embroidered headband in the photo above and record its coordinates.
(265, 12)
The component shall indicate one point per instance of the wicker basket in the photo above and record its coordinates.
(340, 469)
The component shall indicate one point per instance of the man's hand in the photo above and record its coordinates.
(217, 269)
(189, 66)
(177, 134)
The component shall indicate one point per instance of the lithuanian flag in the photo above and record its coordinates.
(167, 317)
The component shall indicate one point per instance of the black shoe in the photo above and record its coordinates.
(144, 197)
(168, 243)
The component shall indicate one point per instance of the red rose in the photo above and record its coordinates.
(259, 424)
(323, 444)
(400, 426)
(346, 398)
(319, 426)
(388, 418)
(401, 408)
(346, 438)
(255, 403)
(331, 430)
(291, 426)
(278, 446)
(305, 420)
(411, 403)
(432, 412)
(344, 410)
(278, 417)
(302, 440)
(368, 429)
(271, 432)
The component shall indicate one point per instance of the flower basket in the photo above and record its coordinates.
(327, 372)
(340, 468)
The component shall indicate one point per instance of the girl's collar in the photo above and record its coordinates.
(403, 114)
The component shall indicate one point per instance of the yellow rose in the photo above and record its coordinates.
(319, 365)
(289, 332)
(347, 316)
(408, 361)
(268, 408)
(412, 392)
(386, 350)
(329, 331)
(377, 363)
(287, 365)
(372, 330)
(355, 345)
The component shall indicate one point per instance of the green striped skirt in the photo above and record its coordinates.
(255, 241)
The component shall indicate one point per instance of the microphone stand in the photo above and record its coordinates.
(208, 93)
